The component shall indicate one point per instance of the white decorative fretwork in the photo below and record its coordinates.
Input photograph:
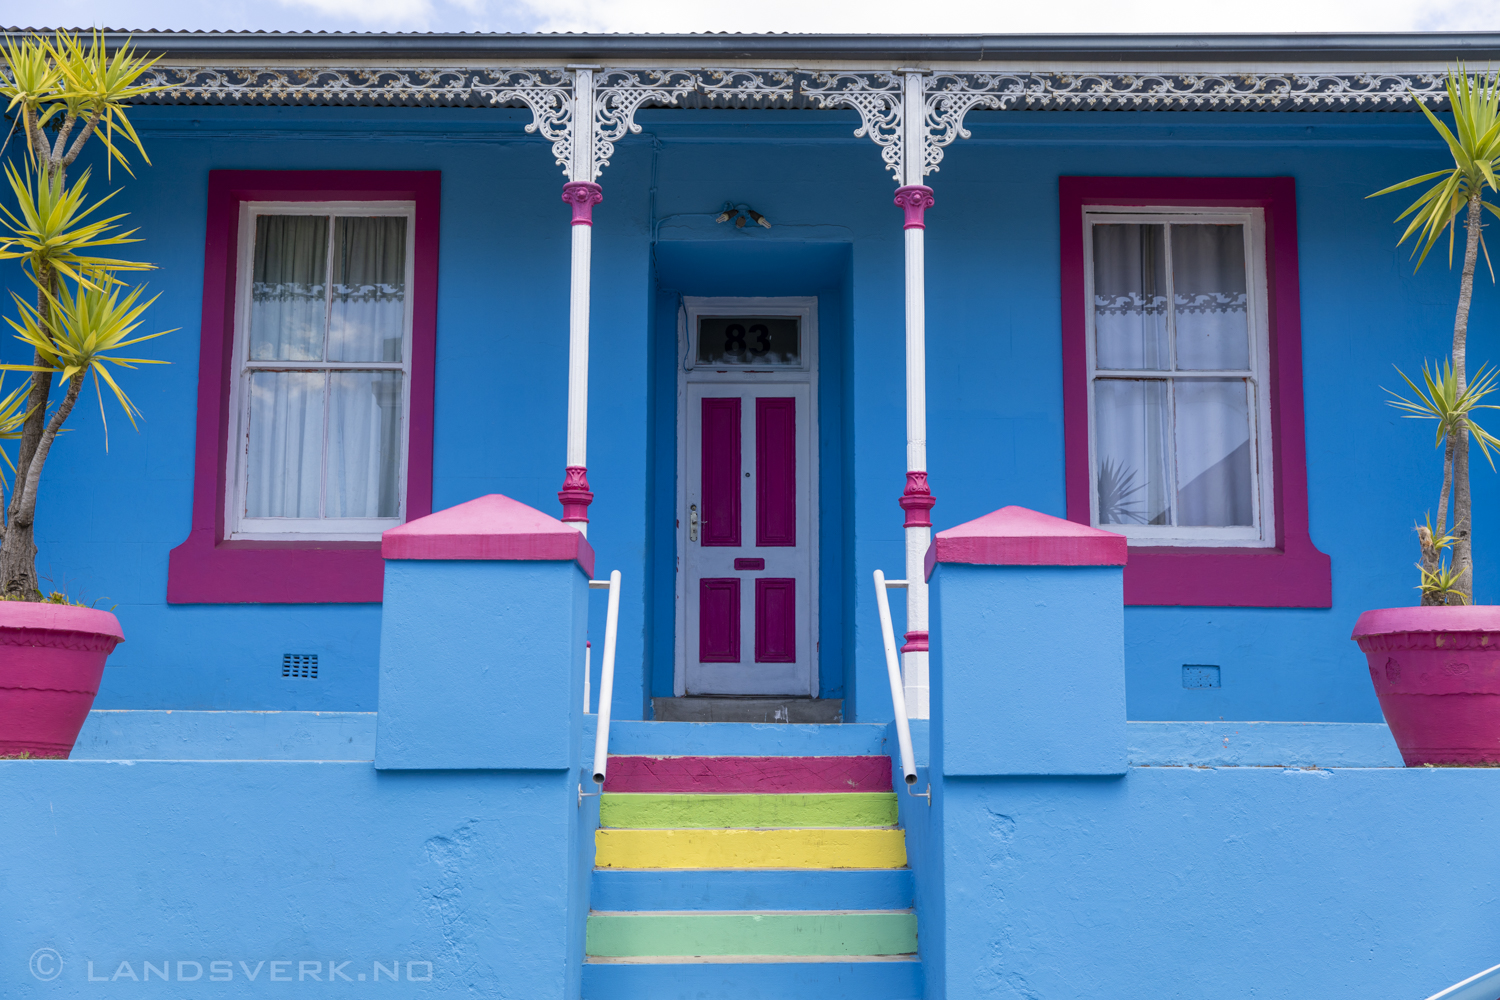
(549, 95)
(877, 97)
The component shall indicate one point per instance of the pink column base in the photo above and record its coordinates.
(916, 642)
(917, 501)
(583, 196)
(914, 200)
(575, 495)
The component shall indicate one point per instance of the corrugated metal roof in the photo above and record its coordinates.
(1409, 47)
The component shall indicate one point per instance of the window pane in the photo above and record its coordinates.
(757, 341)
(285, 453)
(1209, 301)
(1213, 453)
(368, 310)
(1131, 441)
(1130, 297)
(364, 444)
(287, 307)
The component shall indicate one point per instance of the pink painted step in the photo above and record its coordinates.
(767, 775)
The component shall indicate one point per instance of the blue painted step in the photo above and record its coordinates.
(739, 739)
(759, 889)
(900, 980)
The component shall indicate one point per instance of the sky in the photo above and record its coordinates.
(873, 16)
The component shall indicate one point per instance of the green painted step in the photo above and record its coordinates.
(797, 933)
(834, 809)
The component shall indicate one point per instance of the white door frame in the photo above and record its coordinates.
(805, 308)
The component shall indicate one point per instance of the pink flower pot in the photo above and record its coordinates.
(51, 659)
(1437, 674)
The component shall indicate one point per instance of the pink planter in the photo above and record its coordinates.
(1437, 673)
(51, 659)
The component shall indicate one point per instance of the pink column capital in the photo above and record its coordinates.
(914, 199)
(917, 501)
(575, 495)
(916, 641)
(583, 196)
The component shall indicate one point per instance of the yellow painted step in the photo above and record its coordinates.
(856, 847)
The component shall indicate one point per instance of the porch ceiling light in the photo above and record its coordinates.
(739, 213)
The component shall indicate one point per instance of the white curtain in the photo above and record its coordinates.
(286, 444)
(288, 298)
(1172, 451)
(364, 424)
(326, 443)
(367, 313)
(1208, 298)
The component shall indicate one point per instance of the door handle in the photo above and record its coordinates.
(693, 523)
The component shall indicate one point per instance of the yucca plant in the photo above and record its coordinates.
(63, 91)
(1474, 144)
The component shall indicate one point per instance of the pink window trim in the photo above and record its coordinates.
(206, 569)
(1293, 574)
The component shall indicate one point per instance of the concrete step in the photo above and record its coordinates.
(738, 979)
(823, 933)
(740, 739)
(821, 848)
(752, 889)
(739, 775)
(826, 809)
(815, 711)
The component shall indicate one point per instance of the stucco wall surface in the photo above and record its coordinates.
(292, 862)
(1179, 882)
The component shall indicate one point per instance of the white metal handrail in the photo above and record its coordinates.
(606, 672)
(1484, 986)
(893, 670)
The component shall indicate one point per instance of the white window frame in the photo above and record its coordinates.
(239, 527)
(1262, 532)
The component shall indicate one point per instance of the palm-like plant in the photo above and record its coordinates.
(1474, 143)
(63, 91)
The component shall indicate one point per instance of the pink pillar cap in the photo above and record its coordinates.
(914, 200)
(490, 527)
(1015, 536)
(583, 196)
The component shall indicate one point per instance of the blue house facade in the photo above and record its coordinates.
(808, 308)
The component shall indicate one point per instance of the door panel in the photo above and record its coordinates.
(776, 620)
(719, 615)
(748, 565)
(721, 460)
(775, 470)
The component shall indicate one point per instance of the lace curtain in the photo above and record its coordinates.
(1171, 299)
(326, 442)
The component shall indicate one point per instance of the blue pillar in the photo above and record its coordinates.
(1028, 684)
(481, 670)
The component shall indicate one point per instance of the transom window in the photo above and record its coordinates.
(322, 361)
(1178, 395)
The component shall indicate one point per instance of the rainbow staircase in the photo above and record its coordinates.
(751, 878)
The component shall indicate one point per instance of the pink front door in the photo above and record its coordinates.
(748, 546)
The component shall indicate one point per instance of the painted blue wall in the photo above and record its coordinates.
(995, 420)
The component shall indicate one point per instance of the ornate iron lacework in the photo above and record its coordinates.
(875, 94)
(789, 88)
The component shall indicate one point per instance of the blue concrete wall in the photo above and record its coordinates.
(291, 862)
(995, 418)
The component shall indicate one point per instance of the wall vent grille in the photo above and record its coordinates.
(1200, 675)
(300, 665)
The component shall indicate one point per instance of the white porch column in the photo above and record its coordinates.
(914, 199)
(583, 194)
